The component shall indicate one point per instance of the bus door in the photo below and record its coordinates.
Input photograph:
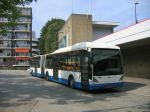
(55, 69)
(84, 72)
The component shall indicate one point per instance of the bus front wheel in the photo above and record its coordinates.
(71, 82)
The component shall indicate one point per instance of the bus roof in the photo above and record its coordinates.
(84, 46)
(36, 56)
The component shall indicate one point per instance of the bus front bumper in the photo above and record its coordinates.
(104, 86)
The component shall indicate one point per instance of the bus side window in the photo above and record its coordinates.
(36, 63)
(63, 62)
(69, 63)
(49, 62)
(78, 65)
(73, 63)
(56, 62)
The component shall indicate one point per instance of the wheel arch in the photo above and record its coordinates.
(47, 75)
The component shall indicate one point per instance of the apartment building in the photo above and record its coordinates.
(81, 28)
(15, 45)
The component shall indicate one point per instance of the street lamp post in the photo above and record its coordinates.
(136, 21)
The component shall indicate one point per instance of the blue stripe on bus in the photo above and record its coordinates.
(60, 80)
(37, 75)
(78, 84)
(103, 86)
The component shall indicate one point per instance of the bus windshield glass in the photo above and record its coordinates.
(106, 62)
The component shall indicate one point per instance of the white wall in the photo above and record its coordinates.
(132, 33)
(100, 32)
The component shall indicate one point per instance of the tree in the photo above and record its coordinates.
(49, 35)
(10, 11)
(42, 38)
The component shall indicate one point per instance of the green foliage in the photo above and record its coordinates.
(9, 10)
(49, 36)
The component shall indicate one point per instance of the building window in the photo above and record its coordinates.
(63, 42)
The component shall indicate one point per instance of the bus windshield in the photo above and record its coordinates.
(106, 62)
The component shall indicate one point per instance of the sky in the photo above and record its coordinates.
(122, 11)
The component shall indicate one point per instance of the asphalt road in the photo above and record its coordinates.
(20, 92)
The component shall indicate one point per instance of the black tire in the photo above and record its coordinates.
(71, 82)
(47, 76)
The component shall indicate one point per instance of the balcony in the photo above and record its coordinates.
(5, 46)
(35, 40)
(7, 55)
(3, 65)
(24, 13)
(22, 46)
(5, 38)
(21, 63)
(34, 54)
(2, 20)
(22, 30)
(10, 30)
(22, 38)
(35, 44)
(22, 55)
(23, 20)
(35, 50)
(22, 50)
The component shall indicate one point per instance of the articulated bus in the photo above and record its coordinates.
(86, 66)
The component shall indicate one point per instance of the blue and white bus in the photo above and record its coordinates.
(85, 65)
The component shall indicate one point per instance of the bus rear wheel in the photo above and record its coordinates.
(71, 82)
